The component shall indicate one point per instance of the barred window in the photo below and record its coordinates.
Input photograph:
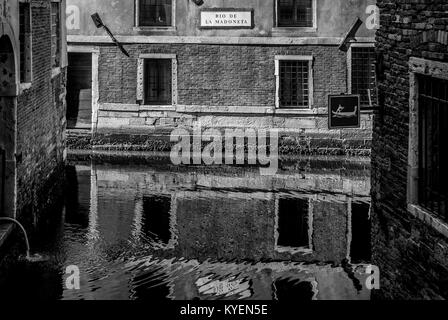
(294, 84)
(155, 13)
(433, 145)
(363, 75)
(55, 34)
(158, 82)
(25, 41)
(295, 13)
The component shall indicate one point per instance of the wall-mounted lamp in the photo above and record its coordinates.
(99, 24)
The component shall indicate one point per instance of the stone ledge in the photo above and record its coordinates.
(429, 219)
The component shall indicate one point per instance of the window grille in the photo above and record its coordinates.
(155, 13)
(433, 145)
(363, 75)
(294, 84)
(295, 13)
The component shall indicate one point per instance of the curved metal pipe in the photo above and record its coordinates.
(24, 233)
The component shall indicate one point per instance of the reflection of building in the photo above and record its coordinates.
(32, 101)
(229, 222)
(410, 194)
(274, 67)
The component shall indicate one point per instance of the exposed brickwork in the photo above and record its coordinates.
(218, 75)
(239, 79)
(412, 256)
(40, 120)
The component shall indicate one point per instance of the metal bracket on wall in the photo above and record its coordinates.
(99, 24)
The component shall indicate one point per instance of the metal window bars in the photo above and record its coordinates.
(433, 145)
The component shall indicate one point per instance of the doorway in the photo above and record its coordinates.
(79, 90)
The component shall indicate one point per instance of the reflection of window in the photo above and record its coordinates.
(158, 82)
(25, 41)
(295, 13)
(287, 289)
(363, 79)
(157, 218)
(360, 247)
(294, 81)
(293, 225)
(55, 35)
(155, 13)
(433, 145)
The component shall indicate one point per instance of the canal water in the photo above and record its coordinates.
(140, 228)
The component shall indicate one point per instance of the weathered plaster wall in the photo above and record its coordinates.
(334, 18)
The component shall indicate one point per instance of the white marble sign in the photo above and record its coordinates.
(227, 19)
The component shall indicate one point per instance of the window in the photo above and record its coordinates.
(158, 82)
(296, 13)
(55, 35)
(157, 219)
(157, 79)
(25, 41)
(362, 74)
(294, 81)
(433, 145)
(294, 225)
(155, 13)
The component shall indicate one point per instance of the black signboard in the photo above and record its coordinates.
(344, 111)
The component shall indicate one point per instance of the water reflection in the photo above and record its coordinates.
(158, 232)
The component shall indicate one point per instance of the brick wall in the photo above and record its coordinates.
(220, 75)
(413, 257)
(40, 120)
(213, 77)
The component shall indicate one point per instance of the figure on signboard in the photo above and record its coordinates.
(339, 113)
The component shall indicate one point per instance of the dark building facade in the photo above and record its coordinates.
(410, 150)
(32, 102)
(233, 64)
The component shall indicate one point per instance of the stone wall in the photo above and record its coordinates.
(40, 120)
(413, 257)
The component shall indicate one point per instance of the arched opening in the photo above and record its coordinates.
(7, 127)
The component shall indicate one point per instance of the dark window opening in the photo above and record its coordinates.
(293, 223)
(79, 90)
(25, 41)
(295, 13)
(158, 82)
(157, 217)
(363, 75)
(433, 145)
(294, 84)
(289, 289)
(55, 34)
(2, 181)
(155, 13)
(360, 250)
